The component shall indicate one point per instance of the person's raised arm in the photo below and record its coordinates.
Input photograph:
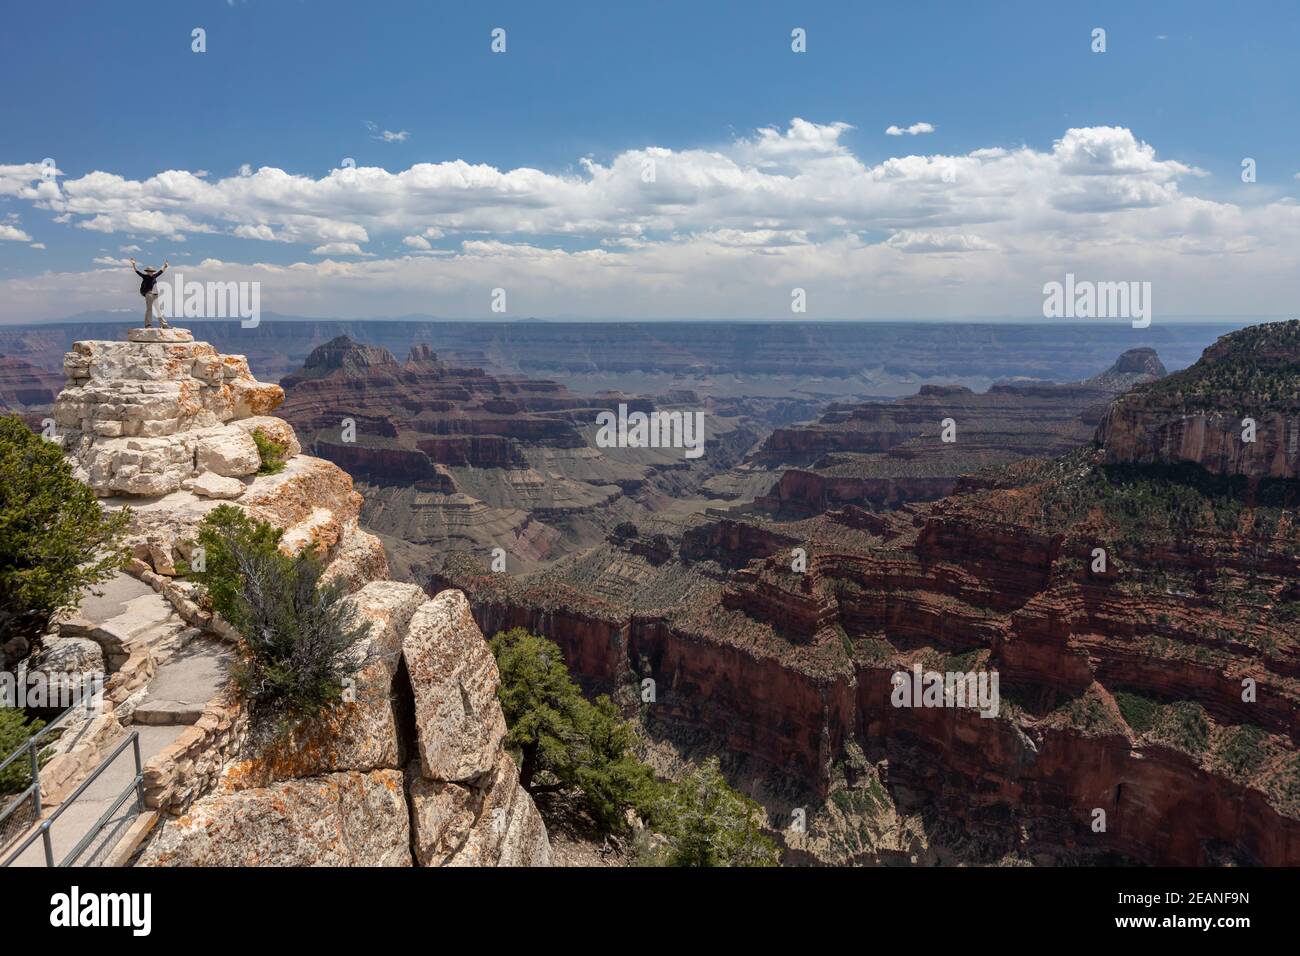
(135, 270)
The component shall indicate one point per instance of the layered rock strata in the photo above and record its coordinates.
(164, 425)
(1142, 617)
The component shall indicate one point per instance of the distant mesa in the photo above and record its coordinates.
(413, 419)
(1134, 367)
(422, 355)
(345, 355)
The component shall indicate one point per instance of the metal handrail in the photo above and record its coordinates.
(43, 831)
(34, 738)
(31, 747)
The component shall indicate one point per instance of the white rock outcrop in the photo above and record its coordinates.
(164, 425)
(141, 417)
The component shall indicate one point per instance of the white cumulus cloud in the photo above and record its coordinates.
(916, 129)
(721, 230)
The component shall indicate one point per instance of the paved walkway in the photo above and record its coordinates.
(85, 812)
(182, 687)
(117, 592)
(127, 614)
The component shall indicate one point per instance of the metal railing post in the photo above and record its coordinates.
(36, 776)
(139, 776)
(49, 843)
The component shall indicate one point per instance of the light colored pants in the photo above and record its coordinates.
(148, 311)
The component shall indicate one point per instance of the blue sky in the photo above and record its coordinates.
(298, 86)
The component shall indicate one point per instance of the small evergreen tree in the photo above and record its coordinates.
(710, 824)
(588, 747)
(55, 540)
(540, 702)
(225, 530)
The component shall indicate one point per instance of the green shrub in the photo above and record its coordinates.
(298, 635)
(710, 824)
(587, 746)
(225, 529)
(1089, 714)
(270, 451)
(15, 730)
(1139, 712)
(55, 540)
(1183, 725)
(1240, 750)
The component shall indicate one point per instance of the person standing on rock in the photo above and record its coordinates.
(147, 280)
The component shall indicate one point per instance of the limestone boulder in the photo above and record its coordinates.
(70, 655)
(252, 398)
(211, 485)
(134, 466)
(495, 825)
(459, 722)
(301, 492)
(340, 819)
(358, 560)
(230, 452)
(389, 607)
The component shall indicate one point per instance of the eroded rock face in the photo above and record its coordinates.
(468, 808)
(1164, 432)
(342, 819)
(1235, 412)
(497, 825)
(455, 680)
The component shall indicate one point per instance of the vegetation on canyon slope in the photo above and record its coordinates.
(55, 540)
(1253, 368)
(297, 632)
(16, 730)
(1139, 504)
(566, 742)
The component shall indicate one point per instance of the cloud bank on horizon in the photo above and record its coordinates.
(659, 232)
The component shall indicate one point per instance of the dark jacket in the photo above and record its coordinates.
(147, 281)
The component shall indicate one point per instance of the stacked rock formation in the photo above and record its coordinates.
(166, 425)
(413, 770)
